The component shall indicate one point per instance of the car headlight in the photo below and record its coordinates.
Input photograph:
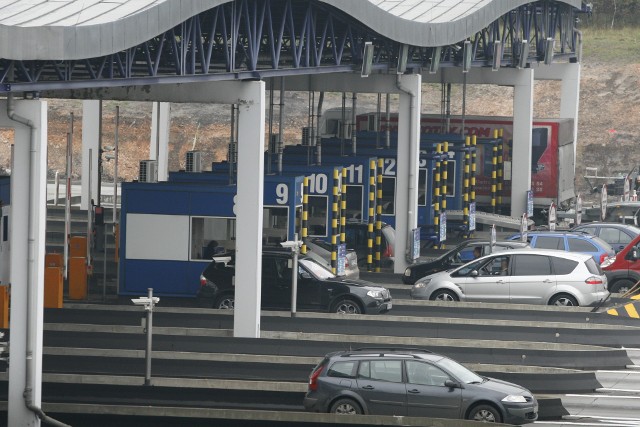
(375, 294)
(512, 398)
(422, 284)
(608, 261)
(407, 272)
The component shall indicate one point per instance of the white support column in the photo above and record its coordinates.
(570, 100)
(91, 132)
(407, 166)
(28, 207)
(522, 140)
(248, 209)
(159, 144)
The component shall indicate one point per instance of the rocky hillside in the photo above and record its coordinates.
(609, 122)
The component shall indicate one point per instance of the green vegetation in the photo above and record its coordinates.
(617, 45)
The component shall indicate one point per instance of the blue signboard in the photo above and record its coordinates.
(443, 226)
(342, 257)
(415, 234)
(530, 204)
(472, 216)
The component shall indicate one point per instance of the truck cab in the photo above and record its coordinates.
(623, 269)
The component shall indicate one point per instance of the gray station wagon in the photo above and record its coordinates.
(525, 276)
(415, 383)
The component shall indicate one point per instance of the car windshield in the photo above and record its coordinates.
(460, 372)
(316, 269)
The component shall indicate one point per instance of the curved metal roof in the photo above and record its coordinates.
(77, 29)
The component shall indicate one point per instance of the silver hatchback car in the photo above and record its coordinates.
(524, 276)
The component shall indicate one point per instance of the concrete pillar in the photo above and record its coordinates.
(159, 144)
(91, 134)
(28, 207)
(570, 99)
(407, 166)
(248, 209)
(522, 140)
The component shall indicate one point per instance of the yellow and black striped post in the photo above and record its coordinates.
(500, 167)
(343, 207)
(465, 183)
(474, 167)
(372, 214)
(334, 221)
(445, 174)
(437, 185)
(305, 214)
(378, 243)
(494, 167)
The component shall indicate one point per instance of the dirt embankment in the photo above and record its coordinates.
(609, 122)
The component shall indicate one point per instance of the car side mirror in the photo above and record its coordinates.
(474, 273)
(633, 254)
(305, 274)
(451, 384)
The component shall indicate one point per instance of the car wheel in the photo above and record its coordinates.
(444, 295)
(485, 414)
(563, 300)
(621, 286)
(346, 306)
(345, 407)
(225, 302)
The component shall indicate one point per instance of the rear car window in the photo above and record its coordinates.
(593, 267)
(548, 242)
(580, 245)
(563, 266)
(532, 265)
(604, 245)
(343, 370)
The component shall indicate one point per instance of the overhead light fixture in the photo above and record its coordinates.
(435, 59)
(548, 50)
(497, 55)
(403, 57)
(367, 59)
(467, 55)
(524, 54)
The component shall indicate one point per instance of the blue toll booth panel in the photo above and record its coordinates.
(170, 231)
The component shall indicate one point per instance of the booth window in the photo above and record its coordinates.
(354, 201)
(275, 224)
(318, 215)
(388, 195)
(298, 226)
(422, 187)
(212, 236)
(451, 178)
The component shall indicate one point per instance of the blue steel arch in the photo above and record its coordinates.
(267, 38)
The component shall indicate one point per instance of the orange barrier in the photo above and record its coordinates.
(77, 278)
(53, 260)
(78, 246)
(4, 307)
(53, 287)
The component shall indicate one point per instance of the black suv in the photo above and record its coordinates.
(414, 383)
(456, 257)
(318, 288)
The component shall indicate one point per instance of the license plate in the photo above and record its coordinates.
(389, 305)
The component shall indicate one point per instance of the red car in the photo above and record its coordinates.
(623, 269)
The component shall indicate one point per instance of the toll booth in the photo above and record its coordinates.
(322, 180)
(169, 231)
(359, 173)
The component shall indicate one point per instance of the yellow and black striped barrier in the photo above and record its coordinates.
(334, 221)
(343, 207)
(372, 214)
(378, 243)
(465, 182)
(500, 167)
(494, 172)
(443, 192)
(627, 310)
(437, 185)
(474, 160)
(305, 214)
